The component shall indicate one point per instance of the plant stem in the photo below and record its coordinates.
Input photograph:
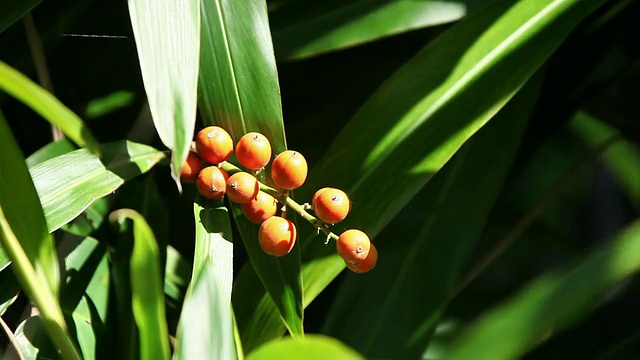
(38, 291)
(284, 199)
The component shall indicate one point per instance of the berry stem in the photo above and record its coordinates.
(287, 201)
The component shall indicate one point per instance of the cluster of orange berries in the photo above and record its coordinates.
(277, 235)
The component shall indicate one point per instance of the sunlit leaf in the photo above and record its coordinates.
(312, 347)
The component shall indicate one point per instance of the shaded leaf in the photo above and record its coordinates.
(47, 105)
(49, 151)
(311, 347)
(168, 43)
(12, 10)
(550, 303)
(87, 178)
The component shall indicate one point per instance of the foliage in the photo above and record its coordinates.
(488, 148)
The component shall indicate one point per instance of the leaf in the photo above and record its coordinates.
(311, 347)
(87, 178)
(33, 340)
(424, 113)
(176, 279)
(238, 90)
(147, 297)
(206, 323)
(49, 151)
(12, 10)
(19, 204)
(302, 30)
(168, 43)
(47, 105)
(9, 286)
(456, 205)
(214, 243)
(549, 303)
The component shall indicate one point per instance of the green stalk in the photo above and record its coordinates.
(38, 292)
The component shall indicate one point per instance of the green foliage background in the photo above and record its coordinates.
(490, 148)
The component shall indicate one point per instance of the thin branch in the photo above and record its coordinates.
(12, 338)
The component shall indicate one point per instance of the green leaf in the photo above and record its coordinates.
(12, 10)
(21, 207)
(456, 205)
(214, 243)
(302, 30)
(9, 286)
(33, 340)
(47, 105)
(311, 347)
(176, 279)
(238, 90)
(622, 158)
(424, 113)
(49, 151)
(549, 303)
(168, 43)
(206, 323)
(69, 183)
(108, 104)
(147, 297)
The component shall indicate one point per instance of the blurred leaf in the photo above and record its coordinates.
(87, 178)
(312, 29)
(85, 296)
(47, 105)
(12, 10)
(239, 91)
(623, 158)
(107, 104)
(176, 278)
(214, 243)
(423, 114)
(550, 303)
(147, 297)
(33, 340)
(205, 330)
(89, 220)
(49, 151)
(9, 286)
(311, 347)
(168, 43)
(456, 205)
(21, 207)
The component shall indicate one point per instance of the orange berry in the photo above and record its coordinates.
(289, 170)
(277, 236)
(353, 246)
(190, 168)
(242, 187)
(212, 182)
(253, 150)
(331, 205)
(214, 144)
(367, 264)
(261, 208)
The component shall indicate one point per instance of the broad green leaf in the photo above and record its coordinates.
(47, 105)
(301, 29)
(623, 158)
(12, 10)
(21, 207)
(33, 340)
(168, 43)
(49, 151)
(312, 347)
(424, 113)
(214, 243)
(550, 303)
(456, 205)
(238, 90)
(147, 297)
(205, 330)
(85, 295)
(69, 183)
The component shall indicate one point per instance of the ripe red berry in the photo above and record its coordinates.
(190, 168)
(367, 264)
(242, 187)
(331, 205)
(289, 170)
(277, 236)
(253, 150)
(214, 144)
(353, 246)
(261, 208)
(212, 182)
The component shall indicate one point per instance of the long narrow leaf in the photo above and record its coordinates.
(47, 105)
(550, 303)
(147, 296)
(167, 37)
